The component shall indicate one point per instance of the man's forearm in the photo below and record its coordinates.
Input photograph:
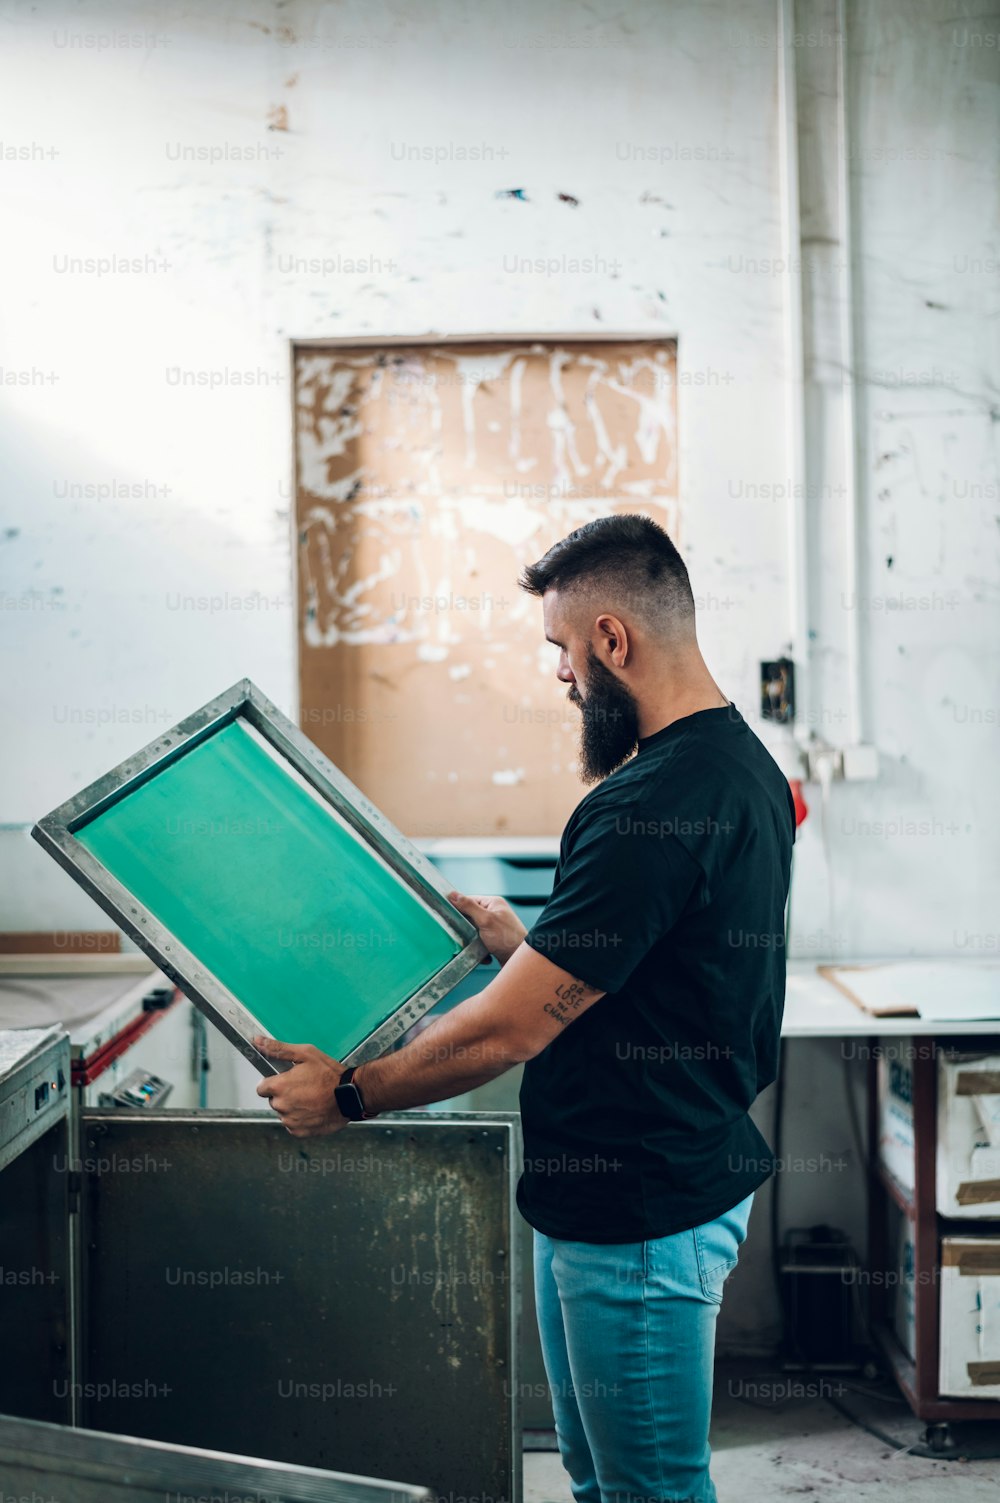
(457, 1052)
(522, 1011)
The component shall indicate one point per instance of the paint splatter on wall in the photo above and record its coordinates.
(427, 477)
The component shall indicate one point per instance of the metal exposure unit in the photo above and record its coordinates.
(36, 1297)
(231, 851)
(350, 1302)
(117, 1020)
(265, 884)
(89, 1467)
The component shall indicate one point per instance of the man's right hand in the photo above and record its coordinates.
(500, 929)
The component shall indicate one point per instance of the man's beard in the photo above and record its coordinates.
(610, 721)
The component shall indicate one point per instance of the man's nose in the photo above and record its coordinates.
(564, 672)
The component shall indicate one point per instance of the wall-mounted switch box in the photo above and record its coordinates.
(777, 691)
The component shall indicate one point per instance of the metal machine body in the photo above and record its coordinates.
(34, 1087)
(36, 1271)
(201, 1279)
(52, 1462)
(120, 1022)
(347, 1302)
(148, 1025)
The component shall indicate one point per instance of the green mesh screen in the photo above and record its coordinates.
(271, 891)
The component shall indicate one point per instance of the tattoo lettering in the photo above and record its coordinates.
(570, 997)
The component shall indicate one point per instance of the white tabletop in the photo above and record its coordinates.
(19, 1044)
(815, 1009)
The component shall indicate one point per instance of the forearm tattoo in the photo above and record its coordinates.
(571, 995)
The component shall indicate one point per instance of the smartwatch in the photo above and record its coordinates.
(349, 1099)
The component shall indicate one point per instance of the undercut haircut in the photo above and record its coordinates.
(625, 561)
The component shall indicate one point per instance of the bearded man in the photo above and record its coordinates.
(645, 1004)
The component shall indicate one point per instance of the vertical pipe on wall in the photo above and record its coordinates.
(294, 608)
(852, 508)
(791, 251)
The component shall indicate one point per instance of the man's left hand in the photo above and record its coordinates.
(303, 1096)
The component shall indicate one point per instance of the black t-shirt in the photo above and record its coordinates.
(669, 895)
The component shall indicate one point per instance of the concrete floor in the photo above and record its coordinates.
(773, 1443)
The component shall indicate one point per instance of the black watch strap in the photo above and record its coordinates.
(349, 1098)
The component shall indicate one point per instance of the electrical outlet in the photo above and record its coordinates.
(849, 764)
(777, 691)
(825, 763)
(860, 764)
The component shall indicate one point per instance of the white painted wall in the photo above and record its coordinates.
(404, 123)
(912, 861)
(664, 132)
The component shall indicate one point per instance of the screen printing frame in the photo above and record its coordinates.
(55, 832)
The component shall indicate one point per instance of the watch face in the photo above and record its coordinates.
(348, 1099)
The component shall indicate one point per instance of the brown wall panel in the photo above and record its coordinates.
(427, 476)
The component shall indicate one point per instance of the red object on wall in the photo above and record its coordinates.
(801, 807)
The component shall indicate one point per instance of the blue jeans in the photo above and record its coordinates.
(628, 1338)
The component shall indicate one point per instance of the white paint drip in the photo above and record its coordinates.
(445, 529)
(472, 372)
(509, 777)
(511, 519)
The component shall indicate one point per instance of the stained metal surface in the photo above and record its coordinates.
(346, 1302)
(35, 1278)
(34, 1086)
(60, 1465)
(55, 832)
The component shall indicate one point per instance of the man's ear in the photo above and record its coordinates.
(613, 639)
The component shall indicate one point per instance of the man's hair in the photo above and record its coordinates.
(628, 561)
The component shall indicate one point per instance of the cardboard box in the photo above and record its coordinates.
(968, 1126)
(970, 1318)
(902, 1305)
(895, 1110)
(968, 1149)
